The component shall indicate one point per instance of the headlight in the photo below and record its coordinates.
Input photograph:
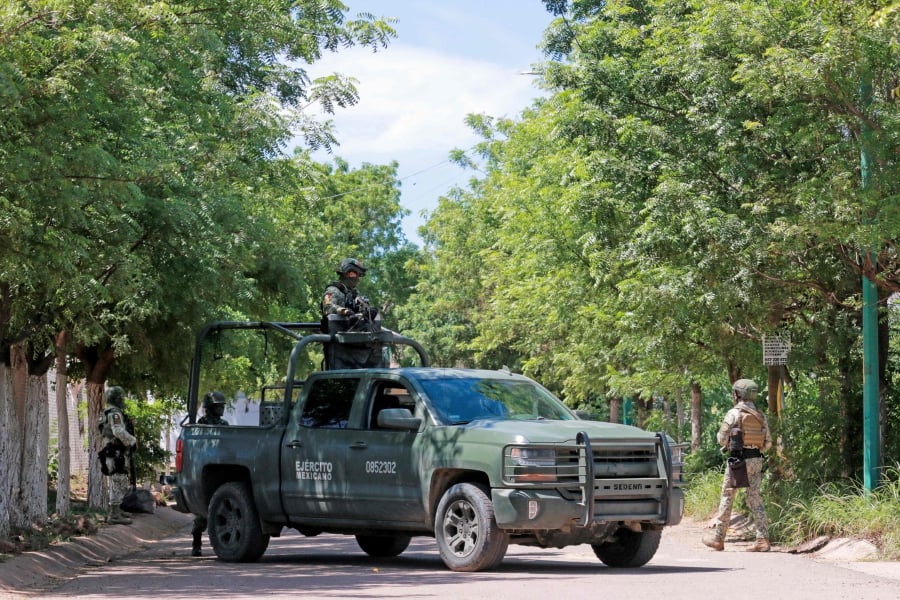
(530, 465)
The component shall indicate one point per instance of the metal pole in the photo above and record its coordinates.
(871, 429)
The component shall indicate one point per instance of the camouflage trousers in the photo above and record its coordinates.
(754, 500)
(119, 486)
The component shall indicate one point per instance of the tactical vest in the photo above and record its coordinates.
(349, 296)
(753, 427)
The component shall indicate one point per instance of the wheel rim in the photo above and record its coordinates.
(228, 523)
(461, 528)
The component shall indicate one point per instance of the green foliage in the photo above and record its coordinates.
(152, 420)
(701, 495)
(690, 184)
(803, 512)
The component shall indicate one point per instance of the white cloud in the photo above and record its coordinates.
(415, 100)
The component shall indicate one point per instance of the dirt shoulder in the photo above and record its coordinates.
(26, 574)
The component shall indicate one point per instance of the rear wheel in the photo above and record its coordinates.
(630, 549)
(235, 532)
(467, 534)
(383, 546)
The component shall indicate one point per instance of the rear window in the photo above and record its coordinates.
(328, 404)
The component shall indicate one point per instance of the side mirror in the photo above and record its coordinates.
(399, 418)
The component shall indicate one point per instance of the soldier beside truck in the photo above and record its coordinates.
(476, 459)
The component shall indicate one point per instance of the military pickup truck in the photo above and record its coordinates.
(476, 459)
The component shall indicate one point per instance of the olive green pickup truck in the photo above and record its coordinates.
(476, 459)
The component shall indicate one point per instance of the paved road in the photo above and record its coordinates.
(333, 567)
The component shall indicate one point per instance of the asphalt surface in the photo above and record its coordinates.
(26, 575)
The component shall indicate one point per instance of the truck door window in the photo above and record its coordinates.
(328, 403)
(388, 396)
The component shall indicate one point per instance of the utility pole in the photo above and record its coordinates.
(871, 413)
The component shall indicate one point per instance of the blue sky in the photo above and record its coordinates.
(450, 58)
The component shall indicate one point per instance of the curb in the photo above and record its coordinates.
(31, 571)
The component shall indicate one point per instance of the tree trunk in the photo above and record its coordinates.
(19, 370)
(30, 366)
(696, 405)
(96, 364)
(679, 417)
(614, 405)
(96, 491)
(9, 447)
(734, 372)
(773, 388)
(35, 448)
(667, 417)
(64, 458)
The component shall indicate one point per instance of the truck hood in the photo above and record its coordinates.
(544, 431)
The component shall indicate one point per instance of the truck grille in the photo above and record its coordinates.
(629, 478)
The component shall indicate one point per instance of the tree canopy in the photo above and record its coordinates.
(690, 185)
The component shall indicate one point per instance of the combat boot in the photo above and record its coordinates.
(195, 547)
(118, 517)
(761, 545)
(714, 542)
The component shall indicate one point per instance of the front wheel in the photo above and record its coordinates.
(234, 529)
(630, 549)
(467, 534)
(383, 546)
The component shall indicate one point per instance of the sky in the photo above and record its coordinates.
(450, 58)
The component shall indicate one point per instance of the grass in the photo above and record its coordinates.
(798, 512)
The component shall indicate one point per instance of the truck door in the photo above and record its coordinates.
(315, 450)
(383, 470)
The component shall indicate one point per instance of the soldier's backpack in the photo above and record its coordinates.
(112, 458)
(112, 455)
(753, 426)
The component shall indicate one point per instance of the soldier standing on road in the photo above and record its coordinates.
(118, 434)
(746, 423)
(213, 409)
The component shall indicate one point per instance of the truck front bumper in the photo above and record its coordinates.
(548, 509)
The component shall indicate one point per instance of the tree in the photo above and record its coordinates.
(166, 115)
(691, 185)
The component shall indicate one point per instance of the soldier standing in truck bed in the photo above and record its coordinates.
(341, 297)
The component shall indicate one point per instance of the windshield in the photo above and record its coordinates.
(462, 400)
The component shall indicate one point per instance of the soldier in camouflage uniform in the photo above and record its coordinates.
(341, 297)
(213, 409)
(744, 393)
(343, 309)
(118, 433)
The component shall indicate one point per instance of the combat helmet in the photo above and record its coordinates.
(351, 264)
(214, 403)
(115, 396)
(745, 390)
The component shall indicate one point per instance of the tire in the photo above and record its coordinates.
(383, 546)
(466, 531)
(631, 549)
(234, 529)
